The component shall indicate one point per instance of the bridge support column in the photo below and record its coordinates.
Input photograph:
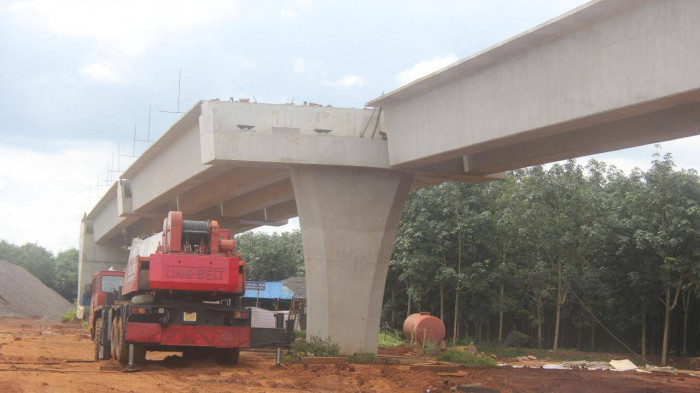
(94, 257)
(348, 218)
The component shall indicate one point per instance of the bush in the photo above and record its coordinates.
(430, 348)
(68, 317)
(390, 338)
(462, 357)
(315, 346)
(362, 357)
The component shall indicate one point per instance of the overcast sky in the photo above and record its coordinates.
(77, 76)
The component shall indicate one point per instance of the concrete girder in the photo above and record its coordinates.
(603, 62)
(282, 211)
(231, 184)
(648, 128)
(269, 195)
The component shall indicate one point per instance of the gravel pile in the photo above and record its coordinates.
(23, 295)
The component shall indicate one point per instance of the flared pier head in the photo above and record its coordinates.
(349, 218)
(609, 75)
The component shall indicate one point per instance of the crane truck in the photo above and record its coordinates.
(178, 293)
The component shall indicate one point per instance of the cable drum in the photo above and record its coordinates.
(195, 232)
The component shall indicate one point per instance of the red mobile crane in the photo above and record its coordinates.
(176, 296)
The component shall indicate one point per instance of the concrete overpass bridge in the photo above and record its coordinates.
(609, 75)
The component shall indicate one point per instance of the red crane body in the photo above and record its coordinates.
(176, 296)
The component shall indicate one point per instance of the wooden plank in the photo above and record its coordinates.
(323, 360)
(435, 367)
(476, 388)
(449, 374)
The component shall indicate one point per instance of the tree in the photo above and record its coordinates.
(669, 230)
(66, 278)
(272, 257)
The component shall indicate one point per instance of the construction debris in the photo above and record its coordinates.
(435, 367)
(474, 388)
(667, 369)
(622, 365)
(23, 295)
(323, 360)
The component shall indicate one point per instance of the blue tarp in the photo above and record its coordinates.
(273, 290)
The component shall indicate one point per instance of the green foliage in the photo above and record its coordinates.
(430, 348)
(68, 317)
(362, 357)
(300, 334)
(272, 257)
(59, 272)
(535, 247)
(390, 338)
(460, 356)
(66, 277)
(315, 346)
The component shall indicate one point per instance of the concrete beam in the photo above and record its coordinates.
(348, 218)
(653, 127)
(231, 184)
(282, 211)
(270, 195)
(605, 61)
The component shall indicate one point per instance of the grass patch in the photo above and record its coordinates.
(300, 334)
(68, 317)
(390, 338)
(462, 357)
(430, 348)
(362, 357)
(313, 347)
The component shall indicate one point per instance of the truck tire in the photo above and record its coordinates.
(98, 334)
(227, 355)
(120, 348)
(197, 353)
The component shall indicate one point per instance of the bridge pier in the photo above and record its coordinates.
(93, 257)
(348, 218)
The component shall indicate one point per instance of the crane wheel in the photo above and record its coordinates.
(227, 355)
(120, 348)
(98, 334)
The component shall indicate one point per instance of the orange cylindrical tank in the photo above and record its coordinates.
(421, 326)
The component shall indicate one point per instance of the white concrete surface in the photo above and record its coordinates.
(349, 218)
(606, 61)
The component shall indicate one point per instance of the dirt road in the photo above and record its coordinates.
(37, 356)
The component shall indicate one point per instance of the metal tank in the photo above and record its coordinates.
(422, 326)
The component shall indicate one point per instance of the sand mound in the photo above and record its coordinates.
(23, 295)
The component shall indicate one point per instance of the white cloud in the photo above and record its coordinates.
(317, 71)
(120, 30)
(308, 67)
(293, 8)
(311, 69)
(349, 80)
(101, 72)
(43, 195)
(292, 225)
(424, 68)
